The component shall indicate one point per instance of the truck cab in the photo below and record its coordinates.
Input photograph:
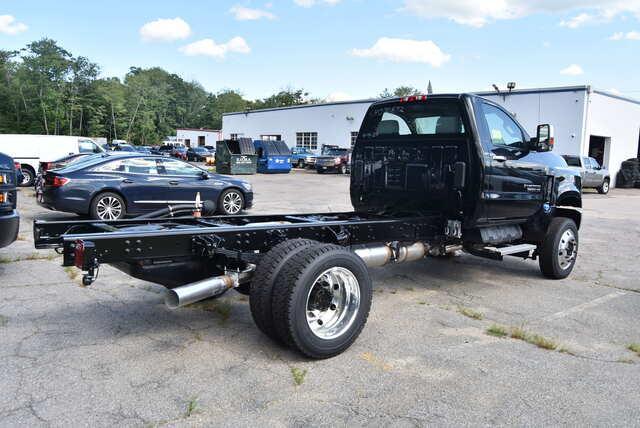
(466, 158)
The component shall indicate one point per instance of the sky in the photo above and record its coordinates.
(346, 49)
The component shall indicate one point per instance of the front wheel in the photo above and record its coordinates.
(604, 188)
(343, 169)
(321, 300)
(559, 250)
(301, 164)
(108, 206)
(231, 202)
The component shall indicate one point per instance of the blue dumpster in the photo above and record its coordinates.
(273, 157)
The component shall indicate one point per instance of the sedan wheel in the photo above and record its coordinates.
(232, 202)
(108, 206)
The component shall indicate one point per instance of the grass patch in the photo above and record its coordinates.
(626, 361)
(470, 313)
(518, 333)
(3, 320)
(541, 342)
(634, 347)
(32, 256)
(497, 331)
(422, 302)
(192, 407)
(298, 375)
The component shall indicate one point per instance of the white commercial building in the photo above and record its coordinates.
(310, 125)
(192, 137)
(587, 122)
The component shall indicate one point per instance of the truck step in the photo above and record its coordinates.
(513, 249)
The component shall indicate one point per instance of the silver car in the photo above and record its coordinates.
(593, 175)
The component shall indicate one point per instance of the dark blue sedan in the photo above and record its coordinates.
(110, 186)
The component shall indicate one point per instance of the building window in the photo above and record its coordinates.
(271, 137)
(354, 137)
(308, 140)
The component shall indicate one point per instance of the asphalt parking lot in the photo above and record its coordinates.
(113, 354)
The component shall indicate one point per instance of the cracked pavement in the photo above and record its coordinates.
(113, 354)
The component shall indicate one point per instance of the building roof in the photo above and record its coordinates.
(576, 88)
(365, 101)
(197, 129)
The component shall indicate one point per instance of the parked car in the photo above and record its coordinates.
(301, 157)
(58, 163)
(114, 185)
(593, 175)
(198, 154)
(123, 147)
(9, 218)
(162, 150)
(334, 160)
(143, 149)
(179, 152)
(30, 150)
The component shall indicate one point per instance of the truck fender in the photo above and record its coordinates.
(570, 213)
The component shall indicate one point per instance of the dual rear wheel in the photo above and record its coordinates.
(313, 297)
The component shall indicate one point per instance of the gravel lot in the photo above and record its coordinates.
(112, 354)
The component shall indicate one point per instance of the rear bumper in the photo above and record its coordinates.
(9, 225)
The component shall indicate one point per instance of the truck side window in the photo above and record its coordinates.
(503, 130)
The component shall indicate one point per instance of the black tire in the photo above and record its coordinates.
(320, 171)
(343, 169)
(301, 164)
(558, 243)
(292, 291)
(225, 209)
(97, 213)
(29, 177)
(604, 189)
(261, 289)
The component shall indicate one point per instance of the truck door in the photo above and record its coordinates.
(514, 177)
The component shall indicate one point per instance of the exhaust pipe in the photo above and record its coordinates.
(385, 254)
(207, 288)
(191, 293)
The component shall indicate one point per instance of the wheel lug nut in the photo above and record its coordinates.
(320, 322)
(336, 286)
(333, 307)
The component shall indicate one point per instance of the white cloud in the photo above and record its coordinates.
(8, 25)
(572, 70)
(208, 47)
(310, 3)
(165, 30)
(338, 96)
(404, 50)
(577, 21)
(242, 13)
(631, 35)
(479, 13)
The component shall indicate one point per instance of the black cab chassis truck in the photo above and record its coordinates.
(431, 176)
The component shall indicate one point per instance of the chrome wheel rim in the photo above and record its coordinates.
(109, 208)
(567, 249)
(605, 186)
(26, 177)
(232, 202)
(332, 303)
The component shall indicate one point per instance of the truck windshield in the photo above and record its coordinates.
(572, 160)
(398, 119)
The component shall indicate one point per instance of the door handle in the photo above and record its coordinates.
(498, 158)
(174, 183)
(127, 181)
